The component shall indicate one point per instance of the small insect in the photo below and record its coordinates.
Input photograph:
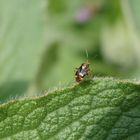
(82, 71)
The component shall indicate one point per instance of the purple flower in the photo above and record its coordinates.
(83, 15)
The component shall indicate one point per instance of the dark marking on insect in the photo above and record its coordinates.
(81, 72)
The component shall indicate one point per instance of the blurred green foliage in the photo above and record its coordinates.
(42, 42)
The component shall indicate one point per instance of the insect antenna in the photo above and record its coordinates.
(87, 55)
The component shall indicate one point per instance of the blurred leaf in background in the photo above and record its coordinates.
(22, 43)
(120, 42)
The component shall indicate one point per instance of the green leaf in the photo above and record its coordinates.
(22, 28)
(99, 109)
(22, 41)
(134, 9)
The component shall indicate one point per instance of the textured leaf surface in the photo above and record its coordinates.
(99, 109)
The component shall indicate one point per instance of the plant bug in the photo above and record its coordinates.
(82, 71)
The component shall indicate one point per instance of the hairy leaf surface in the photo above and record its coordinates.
(99, 109)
